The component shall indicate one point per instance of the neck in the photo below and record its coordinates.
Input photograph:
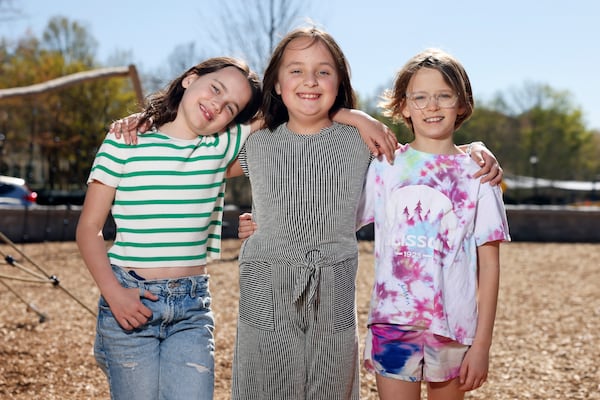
(434, 146)
(174, 131)
(308, 127)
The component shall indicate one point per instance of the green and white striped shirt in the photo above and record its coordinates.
(168, 205)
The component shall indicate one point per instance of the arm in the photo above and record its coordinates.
(126, 127)
(124, 303)
(234, 169)
(474, 368)
(379, 138)
(256, 124)
(490, 168)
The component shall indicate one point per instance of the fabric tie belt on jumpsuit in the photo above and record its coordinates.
(309, 278)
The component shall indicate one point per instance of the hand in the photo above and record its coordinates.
(127, 128)
(246, 226)
(127, 308)
(490, 171)
(474, 369)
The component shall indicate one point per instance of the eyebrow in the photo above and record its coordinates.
(224, 88)
(294, 63)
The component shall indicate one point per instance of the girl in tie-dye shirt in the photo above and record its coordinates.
(437, 235)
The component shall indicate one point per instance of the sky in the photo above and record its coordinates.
(504, 45)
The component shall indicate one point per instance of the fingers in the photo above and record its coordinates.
(490, 171)
(126, 128)
(387, 147)
(246, 230)
(135, 319)
(245, 216)
(150, 296)
(493, 176)
(498, 179)
(246, 226)
(471, 378)
(134, 314)
(472, 384)
(116, 128)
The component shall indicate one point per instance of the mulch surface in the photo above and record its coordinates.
(546, 340)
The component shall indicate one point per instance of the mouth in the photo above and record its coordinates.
(433, 119)
(207, 114)
(309, 96)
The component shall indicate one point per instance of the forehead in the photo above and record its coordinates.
(230, 74)
(307, 49)
(427, 79)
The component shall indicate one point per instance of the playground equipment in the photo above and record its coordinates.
(38, 275)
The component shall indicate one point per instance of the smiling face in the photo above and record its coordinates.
(308, 84)
(432, 120)
(210, 102)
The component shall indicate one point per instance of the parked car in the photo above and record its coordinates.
(15, 192)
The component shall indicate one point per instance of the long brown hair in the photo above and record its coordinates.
(273, 109)
(162, 106)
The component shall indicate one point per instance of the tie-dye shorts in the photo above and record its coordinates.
(412, 354)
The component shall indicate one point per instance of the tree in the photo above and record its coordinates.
(52, 138)
(71, 40)
(552, 134)
(251, 34)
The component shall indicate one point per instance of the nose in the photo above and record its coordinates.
(218, 105)
(433, 102)
(310, 80)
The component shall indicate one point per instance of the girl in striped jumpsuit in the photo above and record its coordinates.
(297, 335)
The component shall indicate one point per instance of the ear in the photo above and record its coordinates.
(187, 81)
(278, 88)
(404, 110)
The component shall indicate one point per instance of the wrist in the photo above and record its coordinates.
(473, 145)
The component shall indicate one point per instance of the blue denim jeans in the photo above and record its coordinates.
(172, 356)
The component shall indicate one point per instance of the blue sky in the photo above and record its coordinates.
(502, 44)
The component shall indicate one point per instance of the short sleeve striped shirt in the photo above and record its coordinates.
(168, 205)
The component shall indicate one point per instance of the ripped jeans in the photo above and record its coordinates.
(172, 356)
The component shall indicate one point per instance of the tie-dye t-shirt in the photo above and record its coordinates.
(429, 215)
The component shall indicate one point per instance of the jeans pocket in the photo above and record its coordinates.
(256, 295)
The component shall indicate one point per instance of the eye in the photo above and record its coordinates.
(216, 89)
(419, 97)
(445, 96)
(325, 73)
(230, 109)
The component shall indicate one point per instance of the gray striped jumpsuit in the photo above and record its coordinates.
(297, 334)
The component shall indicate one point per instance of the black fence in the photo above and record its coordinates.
(527, 224)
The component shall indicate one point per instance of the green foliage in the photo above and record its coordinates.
(52, 138)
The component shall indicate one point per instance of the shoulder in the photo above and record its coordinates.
(113, 145)
(339, 127)
(238, 130)
(264, 134)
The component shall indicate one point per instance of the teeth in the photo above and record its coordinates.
(433, 119)
(205, 112)
(308, 96)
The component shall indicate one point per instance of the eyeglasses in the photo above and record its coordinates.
(422, 100)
